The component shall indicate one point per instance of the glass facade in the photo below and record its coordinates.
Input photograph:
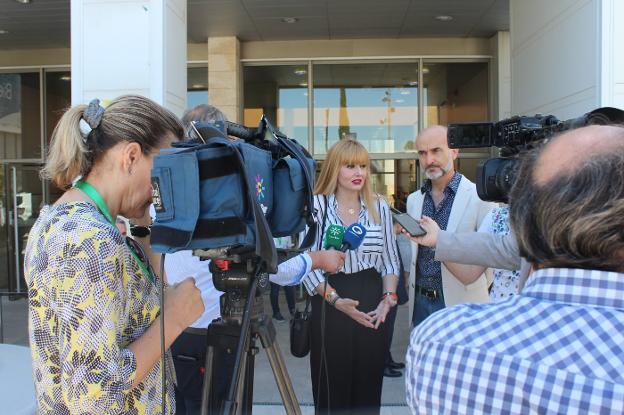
(375, 102)
(20, 115)
(379, 103)
(197, 86)
(280, 92)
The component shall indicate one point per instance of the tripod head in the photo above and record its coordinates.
(233, 271)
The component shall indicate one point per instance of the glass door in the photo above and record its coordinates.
(22, 194)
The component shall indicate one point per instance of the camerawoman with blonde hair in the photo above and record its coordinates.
(94, 314)
(359, 296)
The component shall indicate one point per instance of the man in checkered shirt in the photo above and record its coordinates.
(558, 347)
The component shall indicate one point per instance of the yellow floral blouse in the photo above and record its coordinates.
(88, 300)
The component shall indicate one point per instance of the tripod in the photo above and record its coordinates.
(243, 322)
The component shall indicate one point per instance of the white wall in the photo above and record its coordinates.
(566, 56)
(555, 56)
(129, 47)
(612, 59)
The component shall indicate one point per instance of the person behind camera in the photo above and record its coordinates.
(189, 349)
(359, 296)
(94, 315)
(558, 346)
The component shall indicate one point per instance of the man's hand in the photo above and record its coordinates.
(429, 239)
(349, 307)
(330, 260)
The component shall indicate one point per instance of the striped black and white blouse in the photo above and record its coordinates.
(378, 250)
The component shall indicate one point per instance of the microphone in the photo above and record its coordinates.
(353, 237)
(333, 237)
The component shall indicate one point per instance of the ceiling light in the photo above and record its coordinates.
(444, 18)
(413, 83)
(198, 86)
(23, 1)
(425, 70)
(304, 84)
(4, 32)
(300, 72)
(65, 78)
(289, 20)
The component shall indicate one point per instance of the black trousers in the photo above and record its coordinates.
(355, 354)
(189, 356)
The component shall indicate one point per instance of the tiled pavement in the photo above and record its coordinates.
(266, 395)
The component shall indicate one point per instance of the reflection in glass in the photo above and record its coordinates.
(20, 120)
(394, 180)
(196, 86)
(22, 201)
(58, 98)
(455, 92)
(374, 103)
(280, 92)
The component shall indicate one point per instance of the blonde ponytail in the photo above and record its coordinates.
(130, 118)
(67, 155)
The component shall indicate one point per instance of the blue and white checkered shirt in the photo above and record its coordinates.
(558, 348)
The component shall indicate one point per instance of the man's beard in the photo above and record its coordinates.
(439, 171)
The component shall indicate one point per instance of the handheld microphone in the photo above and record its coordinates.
(333, 237)
(353, 237)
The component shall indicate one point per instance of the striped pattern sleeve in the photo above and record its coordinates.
(313, 278)
(292, 271)
(388, 262)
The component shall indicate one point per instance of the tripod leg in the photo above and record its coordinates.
(246, 385)
(230, 406)
(289, 398)
(207, 399)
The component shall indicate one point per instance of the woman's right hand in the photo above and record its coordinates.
(183, 303)
(349, 307)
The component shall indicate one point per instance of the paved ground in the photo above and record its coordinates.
(266, 395)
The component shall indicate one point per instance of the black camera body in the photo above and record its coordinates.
(513, 136)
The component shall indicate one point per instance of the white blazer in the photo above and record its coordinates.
(467, 213)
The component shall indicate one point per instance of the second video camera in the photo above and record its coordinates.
(513, 136)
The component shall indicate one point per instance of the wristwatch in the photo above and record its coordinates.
(139, 231)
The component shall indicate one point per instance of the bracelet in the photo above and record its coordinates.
(331, 297)
(391, 294)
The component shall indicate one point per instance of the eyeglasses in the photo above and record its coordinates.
(139, 254)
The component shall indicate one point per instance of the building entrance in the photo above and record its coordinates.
(22, 194)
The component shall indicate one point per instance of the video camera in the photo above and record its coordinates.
(514, 136)
(227, 199)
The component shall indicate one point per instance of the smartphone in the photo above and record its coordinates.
(408, 223)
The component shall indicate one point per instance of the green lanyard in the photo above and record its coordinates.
(103, 207)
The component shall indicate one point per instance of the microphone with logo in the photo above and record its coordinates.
(334, 237)
(353, 237)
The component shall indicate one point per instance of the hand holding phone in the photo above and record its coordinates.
(411, 226)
